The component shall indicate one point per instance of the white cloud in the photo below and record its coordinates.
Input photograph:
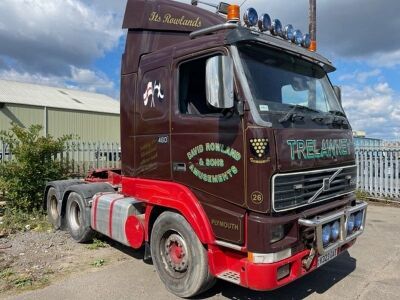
(81, 79)
(361, 77)
(58, 40)
(374, 109)
(389, 60)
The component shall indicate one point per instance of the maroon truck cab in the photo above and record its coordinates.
(237, 157)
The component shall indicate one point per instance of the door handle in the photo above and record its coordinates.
(179, 167)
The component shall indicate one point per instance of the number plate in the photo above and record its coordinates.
(323, 259)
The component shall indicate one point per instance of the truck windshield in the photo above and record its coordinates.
(280, 81)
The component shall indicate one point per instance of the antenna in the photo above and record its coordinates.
(243, 3)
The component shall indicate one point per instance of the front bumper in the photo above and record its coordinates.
(265, 276)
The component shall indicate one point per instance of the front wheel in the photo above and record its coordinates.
(179, 257)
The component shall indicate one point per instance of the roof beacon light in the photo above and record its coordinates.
(288, 32)
(306, 43)
(297, 37)
(264, 23)
(277, 27)
(250, 17)
(233, 13)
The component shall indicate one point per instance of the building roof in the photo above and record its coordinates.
(45, 96)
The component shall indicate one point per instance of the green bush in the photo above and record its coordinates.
(34, 163)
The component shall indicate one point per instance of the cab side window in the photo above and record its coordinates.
(192, 89)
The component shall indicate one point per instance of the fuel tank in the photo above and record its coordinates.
(118, 217)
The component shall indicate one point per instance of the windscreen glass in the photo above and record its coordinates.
(280, 81)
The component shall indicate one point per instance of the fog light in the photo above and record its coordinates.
(297, 37)
(350, 224)
(335, 229)
(250, 17)
(358, 220)
(277, 27)
(326, 234)
(283, 271)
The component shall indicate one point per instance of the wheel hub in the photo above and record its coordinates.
(176, 253)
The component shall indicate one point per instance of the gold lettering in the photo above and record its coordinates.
(154, 17)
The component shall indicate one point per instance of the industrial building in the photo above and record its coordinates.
(89, 116)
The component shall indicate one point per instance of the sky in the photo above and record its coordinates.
(78, 44)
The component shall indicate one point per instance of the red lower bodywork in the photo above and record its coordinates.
(261, 277)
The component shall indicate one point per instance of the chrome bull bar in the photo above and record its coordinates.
(342, 216)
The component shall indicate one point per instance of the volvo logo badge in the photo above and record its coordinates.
(326, 184)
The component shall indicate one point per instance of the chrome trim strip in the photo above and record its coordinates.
(305, 172)
(228, 245)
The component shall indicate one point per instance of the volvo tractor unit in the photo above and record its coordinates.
(237, 157)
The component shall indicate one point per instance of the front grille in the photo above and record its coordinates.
(294, 190)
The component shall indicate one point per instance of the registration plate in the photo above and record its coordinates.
(323, 259)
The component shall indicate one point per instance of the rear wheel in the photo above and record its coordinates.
(179, 257)
(52, 208)
(78, 218)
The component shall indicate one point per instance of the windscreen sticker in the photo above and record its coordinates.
(263, 107)
(310, 149)
(202, 161)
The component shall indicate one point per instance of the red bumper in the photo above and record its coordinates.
(261, 277)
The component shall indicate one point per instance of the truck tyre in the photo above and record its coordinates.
(179, 257)
(78, 218)
(53, 215)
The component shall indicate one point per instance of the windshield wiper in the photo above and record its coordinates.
(292, 116)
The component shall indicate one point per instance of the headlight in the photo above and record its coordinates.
(288, 32)
(277, 233)
(326, 234)
(335, 230)
(358, 220)
(264, 23)
(297, 37)
(250, 17)
(306, 41)
(276, 27)
(350, 224)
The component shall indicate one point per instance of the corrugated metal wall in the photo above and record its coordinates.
(88, 126)
(21, 115)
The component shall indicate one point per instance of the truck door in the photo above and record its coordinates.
(207, 142)
(152, 119)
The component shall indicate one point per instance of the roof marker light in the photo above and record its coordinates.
(264, 23)
(277, 27)
(250, 17)
(288, 32)
(233, 13)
